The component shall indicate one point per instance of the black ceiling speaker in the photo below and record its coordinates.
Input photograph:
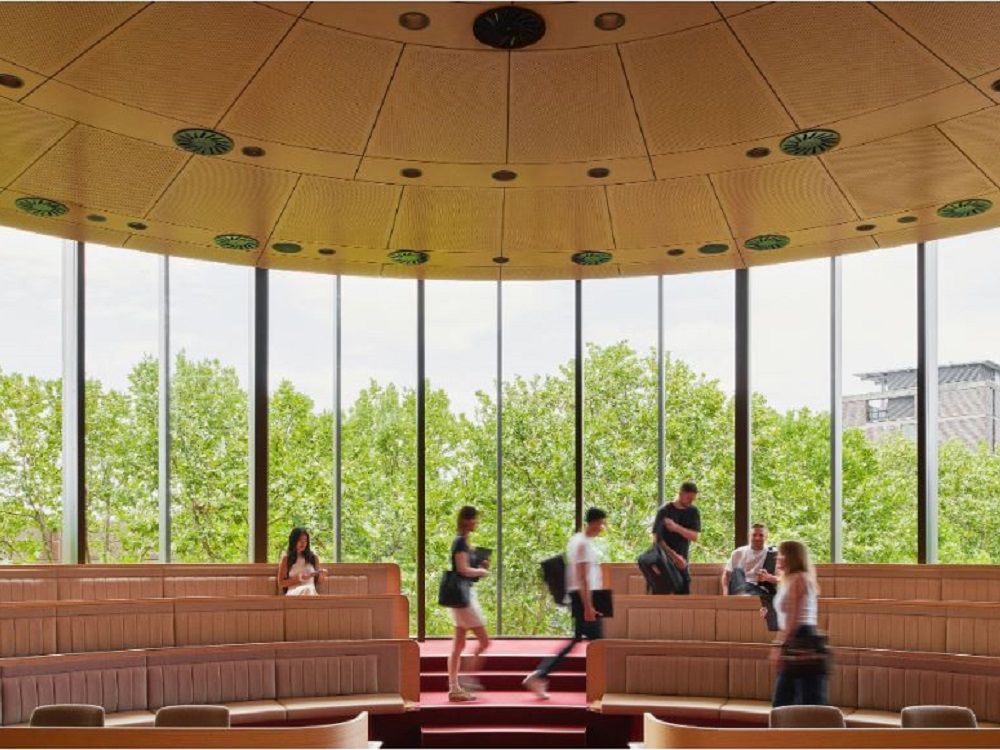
(509, 27)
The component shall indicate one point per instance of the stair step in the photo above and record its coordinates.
(506, 663)
(511, 709)
(558, 681)
(500, 736)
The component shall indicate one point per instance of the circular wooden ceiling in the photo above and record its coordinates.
(391, 139)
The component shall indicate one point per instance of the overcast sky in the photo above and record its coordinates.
(789, 319)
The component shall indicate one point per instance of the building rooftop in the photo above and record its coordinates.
(952, 372)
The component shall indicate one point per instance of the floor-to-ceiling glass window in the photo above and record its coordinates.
(699, 340)
(969, 399)
(209, 415)
(122, 405)
(879, 406)
(300, 413)
(379, 442)
(461, 431)
(30, 397)
(620, 408)
(538, 430)
(790, 423)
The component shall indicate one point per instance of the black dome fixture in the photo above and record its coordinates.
(500, 260)
(609, 21)
(906, 219)
(504, 175)
(254, 152)
(11, 81)
(759, 152)
(598, 173)
(137, 226)
(97, 218)
(327, 251)
(675, 252)
(995, 85)
(864, 227)
(414, 21)
(411, 173)
(508, 27)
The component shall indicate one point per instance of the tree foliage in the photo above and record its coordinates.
(209, 474)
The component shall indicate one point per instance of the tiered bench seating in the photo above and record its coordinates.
(692, 681)
(663, 734)
(315, 680)
(152, 581)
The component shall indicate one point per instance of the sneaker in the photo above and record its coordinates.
(538, 685)
(458, 695)
(470, 685)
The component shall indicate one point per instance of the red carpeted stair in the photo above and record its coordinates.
(505, 715)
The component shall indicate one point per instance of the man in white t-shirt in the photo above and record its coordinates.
(583, 577)
(750, 560)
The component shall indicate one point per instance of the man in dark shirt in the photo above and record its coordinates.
(676, 525)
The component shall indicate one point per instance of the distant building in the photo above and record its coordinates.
(968, 401)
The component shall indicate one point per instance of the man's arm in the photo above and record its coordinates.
(725, 582)
(689, 534)
(589, 613)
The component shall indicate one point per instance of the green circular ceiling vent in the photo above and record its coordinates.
(203, 142)
(408, 257)
(713, 248)
(287, 247)
(41, 206)
(591, 258)
(767, 242)
(964, 208)
(810, 142)
(237, 242)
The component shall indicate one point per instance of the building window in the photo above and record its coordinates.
(877, 410)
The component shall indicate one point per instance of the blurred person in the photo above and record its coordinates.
(469, 617)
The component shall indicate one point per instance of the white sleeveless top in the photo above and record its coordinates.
(308, 588)
(810, 607)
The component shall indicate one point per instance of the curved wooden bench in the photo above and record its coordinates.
(928, 626)
(973, 583)
(40, 628)
(692, 681)
(257, 682)
(352, 733)
(663, 734)
(19, 583)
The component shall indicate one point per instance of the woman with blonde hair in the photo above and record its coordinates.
(470, 616)
(800, 651)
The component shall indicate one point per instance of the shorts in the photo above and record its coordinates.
(470, 616)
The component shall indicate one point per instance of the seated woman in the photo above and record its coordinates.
(298, 571)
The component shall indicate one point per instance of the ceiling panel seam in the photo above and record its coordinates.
(277, 221)
(293, 23)
(843, 193)
(611, 221)
(42, 155)
(917, 41)
(395, 215)
(378, 112)
(635, 109)
(95, 44)
(510, 65)
(968, 158)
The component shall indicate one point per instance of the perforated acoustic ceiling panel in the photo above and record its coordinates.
(574, 140)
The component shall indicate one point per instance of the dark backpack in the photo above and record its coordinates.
(554, 575)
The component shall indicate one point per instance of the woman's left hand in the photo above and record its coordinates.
(774, 658)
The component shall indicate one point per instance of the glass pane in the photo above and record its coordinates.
(699, 342)
(790, 377)
(461, 431)
(30, 397)
(209, 418)
(379, 445)
(538, 430)
(968, 399)
(620, 416)
(300, 416)
(880, 427)
(122, 405)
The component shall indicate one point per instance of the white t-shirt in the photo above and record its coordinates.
(582, 550)
(749, 559)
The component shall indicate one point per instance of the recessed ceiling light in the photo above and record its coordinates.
(759, 152)
(810, 142)
(508, 27)
(236, 242)
(286, 247)
(964, 208)
(504, 175)
(591, 258)
(765, 242)
(408, 257)
(906, 219)
(11, 81)
(713, 248)
(865, 227)
(411, 172)
(327, 251)
(97, 218)
(253, 151)
(598, 172)
(609, 21)
(203, 142)
(137, 226)
(41, 206)
(675, 251)
(500, 260)
(414, 21)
